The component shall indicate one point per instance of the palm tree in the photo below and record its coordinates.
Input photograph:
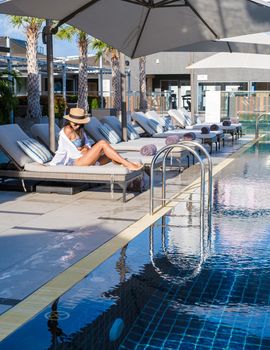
(114, 55)
(8, 101)
(142, 87)
(68, 32)
(32, 27)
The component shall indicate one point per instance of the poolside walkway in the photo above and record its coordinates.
(44, 234)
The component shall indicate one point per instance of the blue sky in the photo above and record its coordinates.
(61, 48)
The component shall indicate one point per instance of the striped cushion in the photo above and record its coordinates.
(168, 123)
(155, 125)
(36, 151)
(132, 133)
(109, 134)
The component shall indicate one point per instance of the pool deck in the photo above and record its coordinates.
(42, 235)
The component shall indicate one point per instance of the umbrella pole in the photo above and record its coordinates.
(193, 92)
(48, 40)
(123, 98)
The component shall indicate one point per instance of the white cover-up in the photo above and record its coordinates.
(67, 152)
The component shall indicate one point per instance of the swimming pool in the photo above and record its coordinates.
(163, 291)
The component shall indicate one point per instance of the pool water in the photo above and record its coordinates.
(165, 290)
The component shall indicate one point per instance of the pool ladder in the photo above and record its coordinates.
(191, 147)
(258, 118)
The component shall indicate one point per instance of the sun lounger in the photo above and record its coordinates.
(232, 130)
(24, 167)
(183, 120)
(209, 139)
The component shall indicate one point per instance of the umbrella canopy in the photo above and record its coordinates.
(233, 60)
(258, 38)
(224, 46)
(142, 27)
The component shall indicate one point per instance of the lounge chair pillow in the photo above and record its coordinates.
(168, 123)
(226, 123)
(155, 126)
(172, 139)
(205, 130)
(186, 116)
(35, 150)
(109, 134)
(214, 127)
(149, 150)
(132, 133)
(189, 136)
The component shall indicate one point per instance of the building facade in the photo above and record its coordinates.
(167, 72)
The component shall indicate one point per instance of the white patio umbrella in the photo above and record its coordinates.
(225, 46)
(233, 60)
(141, 27)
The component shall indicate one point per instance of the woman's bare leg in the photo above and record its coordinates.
(90, 157)
(104, 160)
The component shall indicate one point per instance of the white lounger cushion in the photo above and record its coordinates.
(136, 145)
(178, 117)
(92, 129)
(9, 134)
(41, 132)
(142, 120)
(154, 115)
(114, 123)
(109, 169)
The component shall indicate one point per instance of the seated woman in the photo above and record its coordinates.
(74, 148)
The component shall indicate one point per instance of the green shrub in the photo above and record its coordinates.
(72, 98)
(95, 102)
(59, 105)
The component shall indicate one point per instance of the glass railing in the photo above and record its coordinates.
(247, 106)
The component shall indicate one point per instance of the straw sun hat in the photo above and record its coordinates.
(77, 116)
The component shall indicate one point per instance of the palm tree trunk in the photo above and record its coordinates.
(83, 75)
(34, 109)
(143, 97)
(116, 84)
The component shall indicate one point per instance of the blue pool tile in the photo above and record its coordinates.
(251, 347)
(220, 343)
(187, 346)
(202, 347)
(205, 341)
(265, 342)
(171, 344)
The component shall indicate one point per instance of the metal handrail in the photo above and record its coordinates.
(257, 123)
(186, 145)
(210, 177)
